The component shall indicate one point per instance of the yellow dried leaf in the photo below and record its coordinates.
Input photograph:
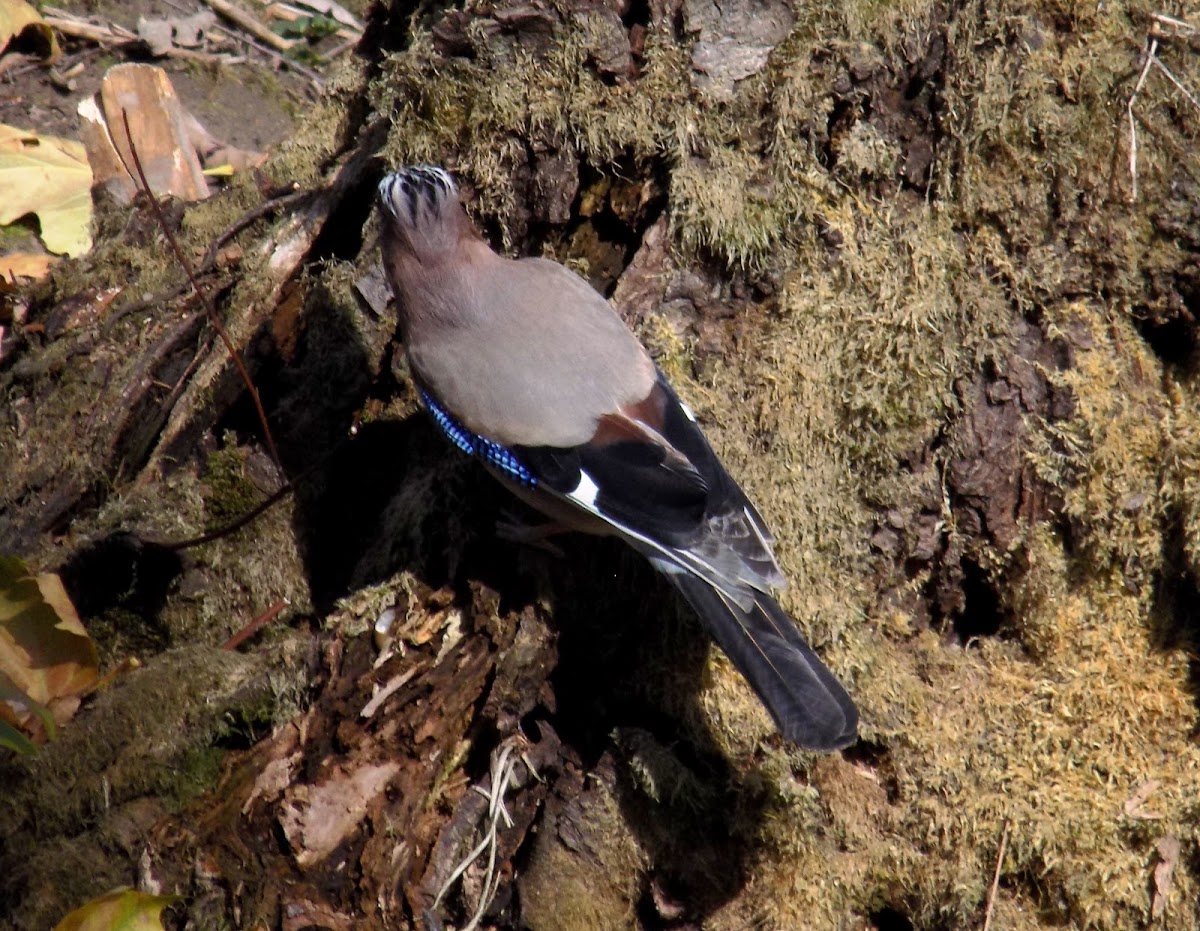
(49, 177)
(44, 650)
(25, 265)
(119, 910)
(18, 20)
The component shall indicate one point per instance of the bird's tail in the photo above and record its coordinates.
(809, 705)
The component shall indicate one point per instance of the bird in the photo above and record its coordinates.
(523, 365)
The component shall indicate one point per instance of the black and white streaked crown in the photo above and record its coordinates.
(404, 192)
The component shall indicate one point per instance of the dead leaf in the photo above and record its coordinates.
(163, 35)
(158, 34)
(316, 819)
(1134, 805)
(119, 910)
(46, 656)
(1164, 870)
(21, 24)
(25, 265)
(190, 30)
(49, 177)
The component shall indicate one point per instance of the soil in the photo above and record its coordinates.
(250, 106)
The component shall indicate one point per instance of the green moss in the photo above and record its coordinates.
(195, 773)
(562, 889)
(228, 491)
(855, 368)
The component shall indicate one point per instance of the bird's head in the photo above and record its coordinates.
(422, 213)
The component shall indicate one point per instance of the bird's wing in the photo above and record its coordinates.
(650, 473)
(524, 365)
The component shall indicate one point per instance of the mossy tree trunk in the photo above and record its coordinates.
(892, 257)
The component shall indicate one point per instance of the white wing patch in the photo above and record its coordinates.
(667, 566)
(584, 494)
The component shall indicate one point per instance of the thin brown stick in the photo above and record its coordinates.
(340, 49)
(255, 626)
(991, 899)
(243, 519)
(159, 298)
(66, 62)
(92, 32)
(234, 525)
(266, 207)
(209, 309)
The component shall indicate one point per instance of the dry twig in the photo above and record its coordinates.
(504, 762)
(111, 35)
(255, 625)
(210, 310)
(280, 60)
(991, 899)
(1164, 27)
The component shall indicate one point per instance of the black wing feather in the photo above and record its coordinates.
(667, 499)
(807, 702)
(637, 488)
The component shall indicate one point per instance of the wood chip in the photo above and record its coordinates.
(1164, 871)
(160, 132)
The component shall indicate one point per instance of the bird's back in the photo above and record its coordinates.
(533, 357)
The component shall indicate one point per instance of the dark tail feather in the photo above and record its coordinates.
(808, 704)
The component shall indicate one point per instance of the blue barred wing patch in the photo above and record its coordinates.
(493, 454)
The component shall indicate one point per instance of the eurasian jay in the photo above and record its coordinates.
(522, 364)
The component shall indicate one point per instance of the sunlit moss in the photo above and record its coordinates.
(856, 367)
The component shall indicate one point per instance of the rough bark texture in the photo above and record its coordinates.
(893, 260)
